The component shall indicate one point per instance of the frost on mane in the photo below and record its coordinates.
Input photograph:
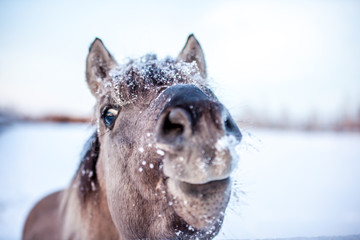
(137, 78)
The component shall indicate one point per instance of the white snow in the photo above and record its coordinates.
(36, 159)
(225, 142)
(160, 152)
(294, 183)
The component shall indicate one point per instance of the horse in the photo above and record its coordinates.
(158, 165)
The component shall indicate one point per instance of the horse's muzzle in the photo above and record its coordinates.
(198, 136)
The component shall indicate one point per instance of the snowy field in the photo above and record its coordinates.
(288, 184)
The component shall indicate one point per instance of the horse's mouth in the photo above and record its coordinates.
(200, 205)
(202, 190)
(198, 183)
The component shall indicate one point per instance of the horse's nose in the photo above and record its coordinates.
(197, 134)
(190, 112)
(178, 124)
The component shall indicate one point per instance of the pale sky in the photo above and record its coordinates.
(272, 56)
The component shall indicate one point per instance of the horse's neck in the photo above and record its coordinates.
(88, 219)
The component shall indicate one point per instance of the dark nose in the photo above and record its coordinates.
(190, 111)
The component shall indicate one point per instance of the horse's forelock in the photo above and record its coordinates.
(139, 77)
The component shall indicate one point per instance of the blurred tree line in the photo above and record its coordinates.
(314, 122)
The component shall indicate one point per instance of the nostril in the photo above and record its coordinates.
(231, 128)
(171, 128)
(174, 125)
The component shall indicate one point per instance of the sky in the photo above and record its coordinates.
(297, 57)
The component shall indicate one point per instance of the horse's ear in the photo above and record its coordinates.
(193, 52)
(98, 64)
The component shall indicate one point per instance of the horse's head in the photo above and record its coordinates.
(165, 144)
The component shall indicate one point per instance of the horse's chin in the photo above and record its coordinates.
(202, 206)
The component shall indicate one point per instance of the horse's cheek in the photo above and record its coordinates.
(114, 182)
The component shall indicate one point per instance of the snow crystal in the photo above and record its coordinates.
(151, 165)
(93, 187)
(225, 142)
(141, 149)
(160, 152)
(140, 169)
(98, 126)
(143, 163)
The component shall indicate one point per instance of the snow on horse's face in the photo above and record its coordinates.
(165, 145)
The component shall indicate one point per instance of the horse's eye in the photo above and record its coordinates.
(109, 117)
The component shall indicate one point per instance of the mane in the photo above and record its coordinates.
(88, 184)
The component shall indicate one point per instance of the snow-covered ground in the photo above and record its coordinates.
(288, 183)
